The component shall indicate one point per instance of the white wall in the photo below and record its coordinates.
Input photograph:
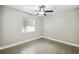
(0, 28)
(12, 26)
(63, 26)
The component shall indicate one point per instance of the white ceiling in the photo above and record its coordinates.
(30, 8)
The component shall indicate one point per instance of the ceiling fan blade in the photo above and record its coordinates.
(37, 14)
(45, 14)
(36, 10)
(49, 11)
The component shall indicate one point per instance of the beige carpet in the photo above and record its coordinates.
(41, 46)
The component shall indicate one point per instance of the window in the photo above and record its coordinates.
(28, 25)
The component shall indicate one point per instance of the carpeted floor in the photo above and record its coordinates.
(41, 46)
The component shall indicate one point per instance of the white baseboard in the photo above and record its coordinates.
(18, 43)
(68, 43)
(12, 45)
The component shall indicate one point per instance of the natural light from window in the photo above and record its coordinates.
(28, 25)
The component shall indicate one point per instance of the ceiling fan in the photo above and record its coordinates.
(42, 10)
